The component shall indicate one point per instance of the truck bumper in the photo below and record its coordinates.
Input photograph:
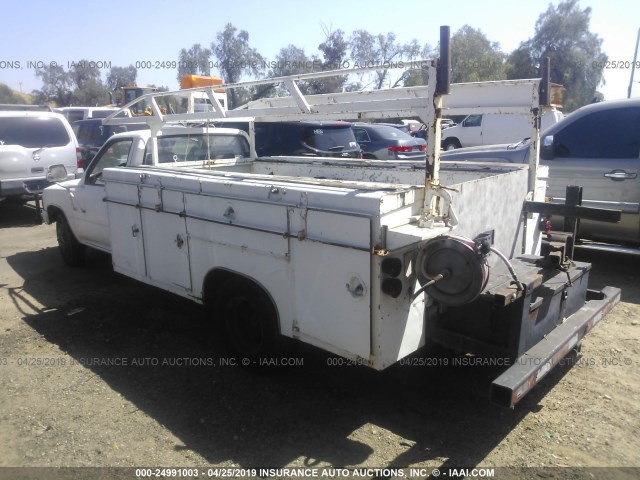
(26, 186)
(528, 369)
(22, 186)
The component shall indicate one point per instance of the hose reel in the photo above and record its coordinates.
(452, 270)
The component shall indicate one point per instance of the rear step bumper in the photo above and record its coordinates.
(510, 387)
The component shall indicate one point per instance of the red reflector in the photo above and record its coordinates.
(79, 160)
(400, 149)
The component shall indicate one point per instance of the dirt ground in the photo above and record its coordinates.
(99, 370)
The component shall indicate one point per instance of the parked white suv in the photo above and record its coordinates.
(36, 148)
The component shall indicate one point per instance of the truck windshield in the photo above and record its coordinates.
(198, 147)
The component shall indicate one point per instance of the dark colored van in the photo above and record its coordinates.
(92, 134)
(302, 139)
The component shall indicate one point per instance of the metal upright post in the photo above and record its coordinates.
(633, 65)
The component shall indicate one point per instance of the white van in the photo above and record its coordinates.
(493, 129)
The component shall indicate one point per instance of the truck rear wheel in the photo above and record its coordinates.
(248, 321)
(71, 250)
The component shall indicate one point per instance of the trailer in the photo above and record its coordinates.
(369, 260)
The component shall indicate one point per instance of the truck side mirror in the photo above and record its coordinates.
(546, 150)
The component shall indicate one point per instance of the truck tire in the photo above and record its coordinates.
(248, 321)
(451, 144)
(71, 250)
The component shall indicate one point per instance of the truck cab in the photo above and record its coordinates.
(85, 221)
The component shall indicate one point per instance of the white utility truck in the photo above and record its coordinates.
(365, 259)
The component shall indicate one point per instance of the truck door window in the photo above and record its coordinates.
(115, 155)
(606, 134)
(198, 147)
(472, 121)
(361, 135)
(262, 139)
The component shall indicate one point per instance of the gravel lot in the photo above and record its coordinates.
(99, 370)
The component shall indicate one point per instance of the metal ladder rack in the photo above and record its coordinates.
(427, 103)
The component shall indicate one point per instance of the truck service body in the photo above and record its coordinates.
(365, 259)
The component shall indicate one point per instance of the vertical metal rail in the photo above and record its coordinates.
(441, 72)
(543, 100)
(635, 57)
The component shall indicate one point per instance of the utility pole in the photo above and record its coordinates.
(633, 65)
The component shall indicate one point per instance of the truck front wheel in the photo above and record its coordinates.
(71, 250)
(451, 144)
(248, 321)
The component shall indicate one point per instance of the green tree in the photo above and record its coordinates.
(520, 63)
(417, 74)
(84, 73)
(290, 60)
(474, 58)
(369, 50)
(195, 61)
(92, 93)
(334, 54)
(89, 89)
(236, 58)
(8, 95)
(56, 86)
(577, 61)
(121, 77)
(383, 51)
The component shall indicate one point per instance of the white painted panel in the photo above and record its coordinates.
(258, 215)
(127, 248)
(121, 192)
(238, 238)
(328, 314)
(273, 273)
(339, 228)
(150, 196)
(166, 248)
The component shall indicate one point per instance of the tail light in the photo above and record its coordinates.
(400, 149)
(392, 268)
(422, 148)
(79, 159)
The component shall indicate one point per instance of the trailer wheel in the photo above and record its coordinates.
(248, 321)
(71, 250)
